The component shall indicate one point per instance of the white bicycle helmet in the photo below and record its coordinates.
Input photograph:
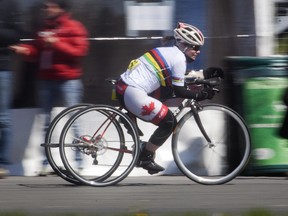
(188, 34)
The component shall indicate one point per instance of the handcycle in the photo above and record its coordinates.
(210, 145)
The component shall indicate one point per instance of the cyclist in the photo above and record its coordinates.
(162, 68)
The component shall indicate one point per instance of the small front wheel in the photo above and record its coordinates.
(218, 161)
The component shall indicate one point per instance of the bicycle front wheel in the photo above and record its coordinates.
(218, 161)
(108, 142)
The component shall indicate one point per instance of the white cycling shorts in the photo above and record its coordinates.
(147, 108)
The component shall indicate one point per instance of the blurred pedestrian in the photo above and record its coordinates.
(9, 34)
(58, 49)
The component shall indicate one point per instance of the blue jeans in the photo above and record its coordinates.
(5, 116)
(52, 93)
(58, 93)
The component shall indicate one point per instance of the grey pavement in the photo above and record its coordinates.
(155, 195)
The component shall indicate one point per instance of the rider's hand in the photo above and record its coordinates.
(213, 72)
(207, 93)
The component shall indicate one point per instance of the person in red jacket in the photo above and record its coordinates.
(58, 49)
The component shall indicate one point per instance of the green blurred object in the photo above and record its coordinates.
(258, 84)
(264, 112)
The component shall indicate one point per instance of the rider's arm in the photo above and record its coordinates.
(182, 92)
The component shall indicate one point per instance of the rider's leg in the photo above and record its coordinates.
(151, 110)
(161, 134)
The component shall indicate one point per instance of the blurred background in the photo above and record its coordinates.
(247, 38)
(231, 28)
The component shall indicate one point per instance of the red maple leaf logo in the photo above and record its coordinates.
(146, 110)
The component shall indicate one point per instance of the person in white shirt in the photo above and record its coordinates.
(159, 72)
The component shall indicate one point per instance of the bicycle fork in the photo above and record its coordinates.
(194, 108)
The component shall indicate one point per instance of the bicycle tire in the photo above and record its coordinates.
(221, 160)
(52, 135)
(113, 150)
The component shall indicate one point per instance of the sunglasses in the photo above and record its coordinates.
(195, 47)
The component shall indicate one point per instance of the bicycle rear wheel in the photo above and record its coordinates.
(51, 145)
(218, 161)
(109, 152)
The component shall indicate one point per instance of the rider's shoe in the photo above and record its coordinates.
(146, 161)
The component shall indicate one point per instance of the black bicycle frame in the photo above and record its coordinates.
(195, 107)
